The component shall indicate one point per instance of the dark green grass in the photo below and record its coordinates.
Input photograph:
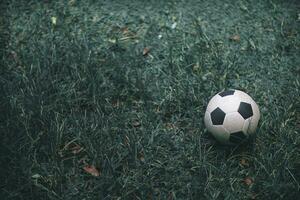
(84, 81)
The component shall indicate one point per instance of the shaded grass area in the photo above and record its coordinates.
(74, 77)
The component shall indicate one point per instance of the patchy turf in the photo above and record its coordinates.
(77, 92)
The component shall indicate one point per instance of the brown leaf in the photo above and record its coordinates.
(235, 38)
(170, 126)
(91, 170)
(141, 156)
(115, 103)
(248, 181)
(244, 162)
(126, 140)
(146, 51)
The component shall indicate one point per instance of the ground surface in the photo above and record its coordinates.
(77, 92)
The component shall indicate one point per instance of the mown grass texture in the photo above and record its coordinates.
(74, 76)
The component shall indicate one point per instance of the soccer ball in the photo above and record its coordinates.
(231, 116)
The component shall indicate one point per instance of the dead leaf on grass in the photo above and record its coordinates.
(244, 162)
(115, 103)
(126, 140)
(235, 38)
(141, 156)
(171, 126)
(248, 181)
(146, 51)
(91, 170)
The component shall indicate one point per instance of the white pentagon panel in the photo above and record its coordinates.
(243, 96)
(229, 103)
(255, 109)
(255, 118)
(213, 103)
(246, 125)
(234, 122)
(207, 120)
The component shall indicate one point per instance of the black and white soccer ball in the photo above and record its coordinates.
(231, 116)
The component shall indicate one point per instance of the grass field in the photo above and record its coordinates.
(122, 86)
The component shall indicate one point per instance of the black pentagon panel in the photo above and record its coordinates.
(245, 109)
(226, 93)
(217, 116)
(237, 137)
